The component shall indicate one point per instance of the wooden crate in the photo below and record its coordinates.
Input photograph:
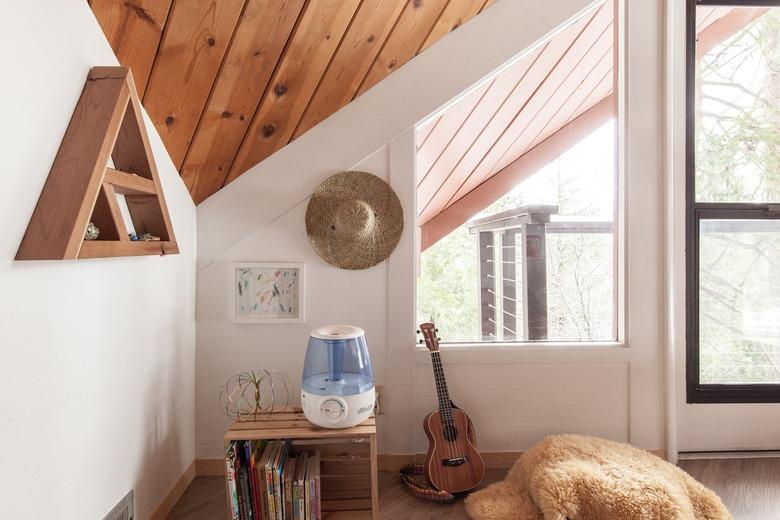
(348, 478)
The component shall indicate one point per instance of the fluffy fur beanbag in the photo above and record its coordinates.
(583, 478)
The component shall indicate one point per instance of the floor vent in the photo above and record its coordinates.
(123, 510)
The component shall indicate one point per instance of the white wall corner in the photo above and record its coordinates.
(401, 287)
(674, 155)
(644, 164)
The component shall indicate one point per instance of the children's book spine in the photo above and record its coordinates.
(300, 479)
(309, 492)
(251, 501)
(230, 463)
(295, 500)
(277, 493)
(261, 490)
(255, 453)
(306, 493)
(243, 496)
(289, 469)
(312, 500)
(317, 493)
(279, 481)
(269, 484)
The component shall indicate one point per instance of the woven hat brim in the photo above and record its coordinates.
(354, 249)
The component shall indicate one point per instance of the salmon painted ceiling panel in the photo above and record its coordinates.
(522, 106)
(229, 82)
(534, 105)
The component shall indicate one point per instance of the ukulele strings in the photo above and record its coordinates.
(446, 414)
(437, 374)
(453, 430)
(440, 394)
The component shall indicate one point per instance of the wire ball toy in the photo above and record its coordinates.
(252, 396)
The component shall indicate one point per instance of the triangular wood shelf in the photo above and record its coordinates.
(81, 187)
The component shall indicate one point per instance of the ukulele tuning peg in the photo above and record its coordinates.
(438, 339)
(418, 331)
(419, 341)
(435, 330)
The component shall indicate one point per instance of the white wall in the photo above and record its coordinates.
(643, 160)
(96, 356)
(515, 404)
(332, 296)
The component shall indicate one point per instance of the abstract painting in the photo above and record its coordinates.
(268, 292)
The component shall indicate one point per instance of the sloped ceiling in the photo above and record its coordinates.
(229, 82)
(504, 131)
(521, 107)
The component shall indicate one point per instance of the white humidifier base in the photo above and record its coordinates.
(333, 411)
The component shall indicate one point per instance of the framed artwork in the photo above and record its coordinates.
(267, 292)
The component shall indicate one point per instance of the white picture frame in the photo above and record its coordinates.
(267, 292)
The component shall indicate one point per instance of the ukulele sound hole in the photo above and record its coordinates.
(454, 462)
(450, 432)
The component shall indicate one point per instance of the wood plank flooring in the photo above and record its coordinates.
(749, 487)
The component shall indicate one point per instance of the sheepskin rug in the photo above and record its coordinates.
(583, 478)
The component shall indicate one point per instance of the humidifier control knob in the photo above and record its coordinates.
(333, 410)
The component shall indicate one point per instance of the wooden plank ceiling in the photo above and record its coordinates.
(229, 82)
(532, 106)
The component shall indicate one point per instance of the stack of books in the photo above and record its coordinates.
(268, 483)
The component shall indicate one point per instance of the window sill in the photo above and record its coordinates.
(528, 353)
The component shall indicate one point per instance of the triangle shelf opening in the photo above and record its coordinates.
(83, 187)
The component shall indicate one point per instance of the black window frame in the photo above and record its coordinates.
(695, 212)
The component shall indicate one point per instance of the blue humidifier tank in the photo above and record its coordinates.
(338, 383)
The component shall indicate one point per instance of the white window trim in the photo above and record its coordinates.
(529, 353)
(674, 217)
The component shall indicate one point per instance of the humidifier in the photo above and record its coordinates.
(338, 383)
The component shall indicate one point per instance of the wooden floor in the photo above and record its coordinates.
(749, 487)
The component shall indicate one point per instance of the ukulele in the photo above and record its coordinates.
(452, 463)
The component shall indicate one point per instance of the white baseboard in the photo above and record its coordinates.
(717, 455)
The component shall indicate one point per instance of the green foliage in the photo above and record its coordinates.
(580, 287)
(447, 287)
(738, 116)
(738, 160)
(739, 304)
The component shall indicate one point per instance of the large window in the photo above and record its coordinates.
(538, 264)
(733, 198)
(517, 197)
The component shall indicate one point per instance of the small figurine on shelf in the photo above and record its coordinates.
(145, 237)
(92, 232)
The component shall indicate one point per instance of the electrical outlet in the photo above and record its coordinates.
(381, 400)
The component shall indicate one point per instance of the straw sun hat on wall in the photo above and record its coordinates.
(354, 220)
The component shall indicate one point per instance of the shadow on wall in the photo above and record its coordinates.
(163, 457)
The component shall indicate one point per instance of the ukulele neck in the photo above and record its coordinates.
(445, 405)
